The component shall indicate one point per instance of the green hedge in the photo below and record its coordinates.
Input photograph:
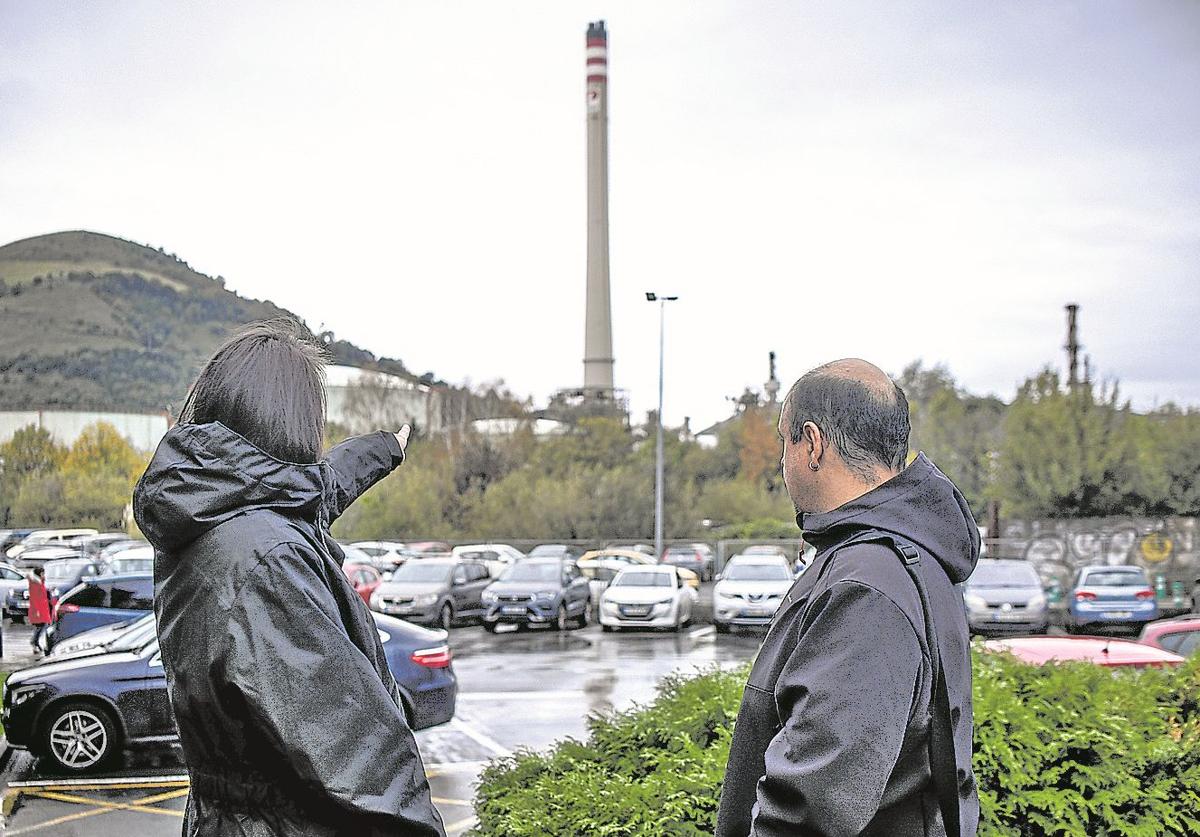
(1059, 750)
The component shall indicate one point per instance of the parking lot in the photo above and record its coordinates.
(517, 690)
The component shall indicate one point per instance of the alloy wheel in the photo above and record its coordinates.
(78, 739)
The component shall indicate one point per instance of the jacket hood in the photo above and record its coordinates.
(204, 474)
(920, 504)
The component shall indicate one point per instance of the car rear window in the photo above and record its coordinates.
(1115, 578)
(642, 579)
(89, 595)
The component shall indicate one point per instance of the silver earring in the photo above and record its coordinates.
(814, 466)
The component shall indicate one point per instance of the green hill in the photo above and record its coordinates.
(89, 321)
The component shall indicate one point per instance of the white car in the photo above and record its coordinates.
(647, 597)
(383, 552)
(750, 590)
(498, 556)
(139, 559)
(47, 537)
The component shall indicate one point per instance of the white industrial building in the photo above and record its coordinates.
(142, 430)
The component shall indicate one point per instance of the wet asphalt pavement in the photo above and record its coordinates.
(523, 689)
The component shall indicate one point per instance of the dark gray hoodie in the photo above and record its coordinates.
(833, 734)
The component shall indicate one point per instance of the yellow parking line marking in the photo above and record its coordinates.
(14, 832)
(461, 825)
(162, 797)
(438, 800)
(115, 806)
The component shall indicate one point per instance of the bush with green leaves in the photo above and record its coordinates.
(1059, 750)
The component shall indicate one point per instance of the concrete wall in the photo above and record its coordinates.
(143, 430)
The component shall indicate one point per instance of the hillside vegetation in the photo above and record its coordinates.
(89, 321)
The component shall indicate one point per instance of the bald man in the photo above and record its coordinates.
(856, 719)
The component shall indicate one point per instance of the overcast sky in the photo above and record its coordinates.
(893, 181)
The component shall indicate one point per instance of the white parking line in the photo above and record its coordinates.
(696, 633)
(130, 781)
(436, 768)
(480, 738)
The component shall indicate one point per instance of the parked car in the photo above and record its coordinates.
(139, 559)
(628, 557)
(47, 537)
(436, 591)
(113, 549)
(538, 591)
(428, 549)
(100, 601)
(1107, 597)
(93, 545)
(97, 637)
(39, 556)
(567, 552)
(112, 690)
(11, 579)
(647, 597)
(750, 589)
(365, 578)
(498, 556)
(385, 556)
(61, 576)
(1196, 597)
(644, 548)
(692, 557)
(1005, 597)
(1112, 653)
(12, 537)
(1180, 635)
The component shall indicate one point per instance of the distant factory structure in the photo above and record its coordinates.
(748, 400)
(362, 400)
(142, 430)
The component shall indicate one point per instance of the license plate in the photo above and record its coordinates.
(1119, 614)
(756, 611)
(636, 611)
(1008, 616)
(512, 609)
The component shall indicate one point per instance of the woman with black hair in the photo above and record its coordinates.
(288, 715)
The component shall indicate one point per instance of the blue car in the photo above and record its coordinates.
(1111, 597)
(103, 692)
(101, 601)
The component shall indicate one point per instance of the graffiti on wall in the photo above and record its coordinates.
(1165, 546)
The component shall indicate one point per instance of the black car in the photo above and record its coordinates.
(101, 601)
(81, 709)
(538, 591)
(61, 575)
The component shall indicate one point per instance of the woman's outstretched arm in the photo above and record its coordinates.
(359, 463)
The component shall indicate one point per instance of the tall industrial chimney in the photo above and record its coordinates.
(597, 345)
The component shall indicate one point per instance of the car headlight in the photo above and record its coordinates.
(544, 596)
(1037, 602)
(376, 601)
(975, 602)
(24, 693)
(488, 597)
(663, 602)
(427, 599)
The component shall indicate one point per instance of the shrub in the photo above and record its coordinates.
(1059, 750)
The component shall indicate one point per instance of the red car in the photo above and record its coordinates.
(365, 579)
(1179, 636)
(1113, 653)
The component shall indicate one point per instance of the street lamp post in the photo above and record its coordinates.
(658, 454)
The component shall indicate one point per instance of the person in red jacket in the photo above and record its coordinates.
(39, 607)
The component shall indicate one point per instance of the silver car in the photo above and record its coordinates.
(750, 590)
(1005, 597)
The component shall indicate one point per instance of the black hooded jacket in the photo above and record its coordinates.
(288, 715)
(832, 736)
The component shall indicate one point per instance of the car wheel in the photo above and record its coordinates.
(560, 621)
(608, 629)
(722, 628)
(18, 620)
(80, 737)
(585, 616)
(490, 627)
(446, 617)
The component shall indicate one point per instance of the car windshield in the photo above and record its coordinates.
(58, 572)
(642, 579)
(417, 571)
(757, 572)
(1115, 578)
(1004, 575)
(533, 571)
(548, 549)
